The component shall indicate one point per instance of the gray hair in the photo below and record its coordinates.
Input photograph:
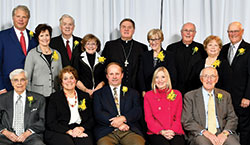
(66, 16)
(189, 23)
(206, 68)
(23, 8)
(17, 72)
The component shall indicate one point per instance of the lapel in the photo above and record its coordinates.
(30, 38)
(199, 101)
(218, 107)
(122, 100)
(84, 59)
(28, 108)
(110, 99)
(10, 108)
(236, 57)
(38, 49)
(62, 47)
(15, 40)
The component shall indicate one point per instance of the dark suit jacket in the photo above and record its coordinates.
(58, 44)
(88, 76)
(113, 52)
(34, 115)
(11, 55)
(105, 108)
(193, 113)
(58, 115)
(240, 74)
(147, 69)
(185, 61)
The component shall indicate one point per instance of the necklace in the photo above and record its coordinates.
(72, 105)
(127, 56)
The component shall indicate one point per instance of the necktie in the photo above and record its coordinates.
(117, 101)
(231, 54)
(211, 115)
(68, 49)
(23, 44)
(19, 117)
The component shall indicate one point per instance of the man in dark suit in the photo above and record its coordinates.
(237, 52)
(68, 45)
(127, 52)
(117, 111)
(15, 43)
(208, 115)
(187, 53)
(21, 113)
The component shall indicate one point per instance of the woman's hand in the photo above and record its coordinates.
(78, 132)
(168, 134)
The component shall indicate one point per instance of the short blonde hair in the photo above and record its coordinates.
(156, 32)
(166, 73)
(210, 38)
(23, 8)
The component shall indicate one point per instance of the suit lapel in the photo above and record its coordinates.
(110, 99)
(217, 107)
(27, 109)
(237, 56)
(15, 39)
(122, 100)
(201, 106)
(10, 108)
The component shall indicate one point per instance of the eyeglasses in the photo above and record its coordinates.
(156, 39)
(190, 31)
(233, 31)
(212, 77)
(90, 44)
(17, 80)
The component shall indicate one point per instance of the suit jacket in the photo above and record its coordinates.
(58, 44)
(147, 69)
(113, 52)
(88, 76)
(185, 60)
(34, 114)
(11, 55)
(240, 88)
(58, 115)
(105, 108)
(42, 76)
(193, 113)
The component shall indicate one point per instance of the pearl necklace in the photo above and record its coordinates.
(72, 105)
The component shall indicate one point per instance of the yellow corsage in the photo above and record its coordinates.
(195, 49)
(124, 90)
(171, 96)
(216, 63)
(220, 97)
(30, 99)
(55, 56)
(241, 51)
(82, 105)
(101, 59)
(76, 43)
(161, 56)
(31, 34)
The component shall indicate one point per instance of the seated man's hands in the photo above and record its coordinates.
(212, 137)
(117, 121)
(124, 127)
(24, 136)
(10, 135)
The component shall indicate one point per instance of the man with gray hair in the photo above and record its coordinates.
(67, 44)
(21, 113)
(15, 43)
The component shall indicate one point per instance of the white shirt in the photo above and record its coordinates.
(74, 113)
(18, 34)
(70, 42)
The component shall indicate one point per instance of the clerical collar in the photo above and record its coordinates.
(126, 41)
(187, 45)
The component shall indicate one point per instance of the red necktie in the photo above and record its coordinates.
(23, 44)
(68, 49)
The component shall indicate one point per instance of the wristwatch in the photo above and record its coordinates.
(226, 133)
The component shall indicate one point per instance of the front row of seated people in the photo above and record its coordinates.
(207, 117)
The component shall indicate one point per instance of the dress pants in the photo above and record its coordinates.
(33, 139)
(121, 137)
(156, 139)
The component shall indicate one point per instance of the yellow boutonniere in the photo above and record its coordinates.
(220, 96)
(216, 63)
(124, 90)
(31, 34)
(101, 59)
(55, 56)
(82, 105)
(161, 56)
(30, 99)
(76, 43)
(195, 49)
(171, 96)
(241, 51)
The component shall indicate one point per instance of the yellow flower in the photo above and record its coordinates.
(31, 34)
(76, 43)
(124, 90)
(55, 56)
(241, 51)
(171, 96)
(101, 59)
(220, 96)
(30, 99)
(216, 63)
(195, 49)
(82, 105)
(161, 56)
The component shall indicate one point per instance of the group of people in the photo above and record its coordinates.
(62, 91)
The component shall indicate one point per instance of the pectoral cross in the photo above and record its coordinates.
(126, 63)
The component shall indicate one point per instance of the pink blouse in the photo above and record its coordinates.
(161, 113)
